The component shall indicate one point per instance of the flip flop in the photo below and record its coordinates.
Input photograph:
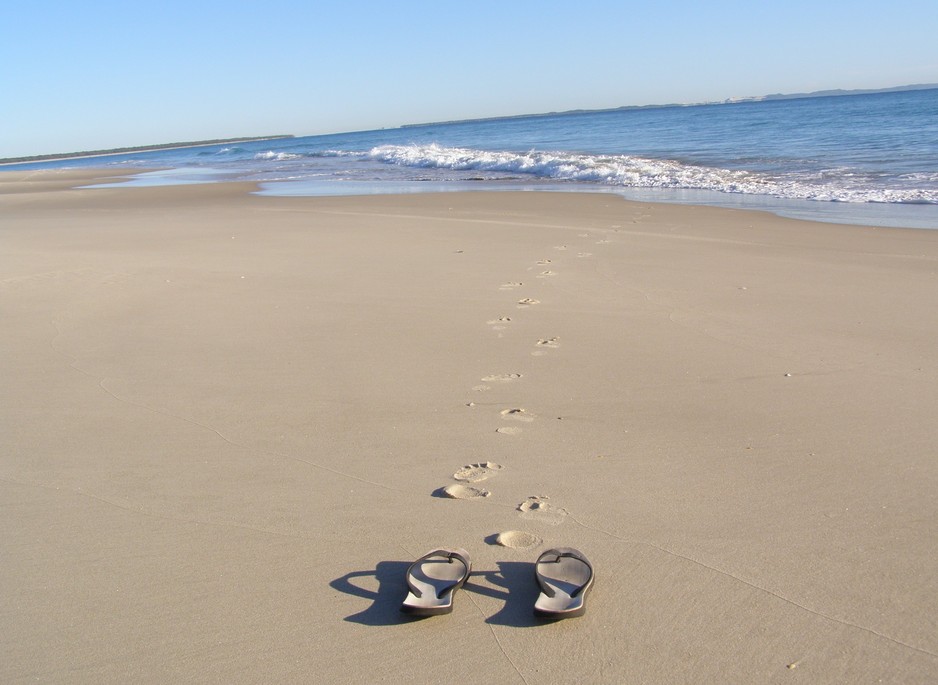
(566, 577)
(433, 579)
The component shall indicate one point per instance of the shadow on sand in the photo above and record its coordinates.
(513, 584)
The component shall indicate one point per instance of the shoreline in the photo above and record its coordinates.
(881, 215)
(231, 421)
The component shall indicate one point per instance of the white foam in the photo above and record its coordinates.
(836, 185)
(277, 156)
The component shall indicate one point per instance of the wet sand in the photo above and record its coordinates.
(230, 422)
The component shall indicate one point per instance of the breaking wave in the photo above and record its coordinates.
(835, 185)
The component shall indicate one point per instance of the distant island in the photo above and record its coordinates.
(728, 101)
(830, 93)
(141, 148)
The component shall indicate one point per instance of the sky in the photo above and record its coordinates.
(99, 74)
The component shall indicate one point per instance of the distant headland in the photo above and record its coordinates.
(728, 101)
(141, 148)
(830, 93)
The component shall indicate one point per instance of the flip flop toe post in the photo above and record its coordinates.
(565, 577)
(433, 579)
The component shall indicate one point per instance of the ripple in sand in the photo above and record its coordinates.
(473, 473)
(537, 508)
(464, 492)
(517, 539)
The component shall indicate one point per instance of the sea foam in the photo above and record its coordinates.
(838, 185)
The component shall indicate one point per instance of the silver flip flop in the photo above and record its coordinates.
(433, 580)
(565, 576)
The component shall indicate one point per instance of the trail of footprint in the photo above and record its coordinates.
(459, 491)
(537, 508)
(474, 473)
(517, 415)
(501, 377)
(517, 539)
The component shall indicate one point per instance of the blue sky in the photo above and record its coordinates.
(96, 74)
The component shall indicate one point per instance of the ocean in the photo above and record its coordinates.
(868, 159)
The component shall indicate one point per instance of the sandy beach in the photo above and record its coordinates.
(230, 422)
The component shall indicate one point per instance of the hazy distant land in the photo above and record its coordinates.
(728, 101)
(831, 93)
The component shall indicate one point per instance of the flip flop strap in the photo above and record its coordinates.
(559, 553)
(446, 554)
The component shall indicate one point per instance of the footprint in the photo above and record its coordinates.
(501, 377)
(537, 508)
(481, 388)
(526, 301)
(548, 342)
(543, 262)
(517, 539)
(510, 285)
(585, 254)
(517, 415)
(464, 492)
(547, 274)
(473, 473)
(500, 323)
(560, 247)
(508, 430)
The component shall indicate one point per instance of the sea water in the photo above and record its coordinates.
(870, 158)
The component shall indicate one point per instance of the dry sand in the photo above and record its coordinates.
(229, 421)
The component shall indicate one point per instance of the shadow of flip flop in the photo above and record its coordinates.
(385, 601)
(520, 593)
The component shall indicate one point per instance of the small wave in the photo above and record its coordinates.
(233, 150)
(637, 172)
(276, 156)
